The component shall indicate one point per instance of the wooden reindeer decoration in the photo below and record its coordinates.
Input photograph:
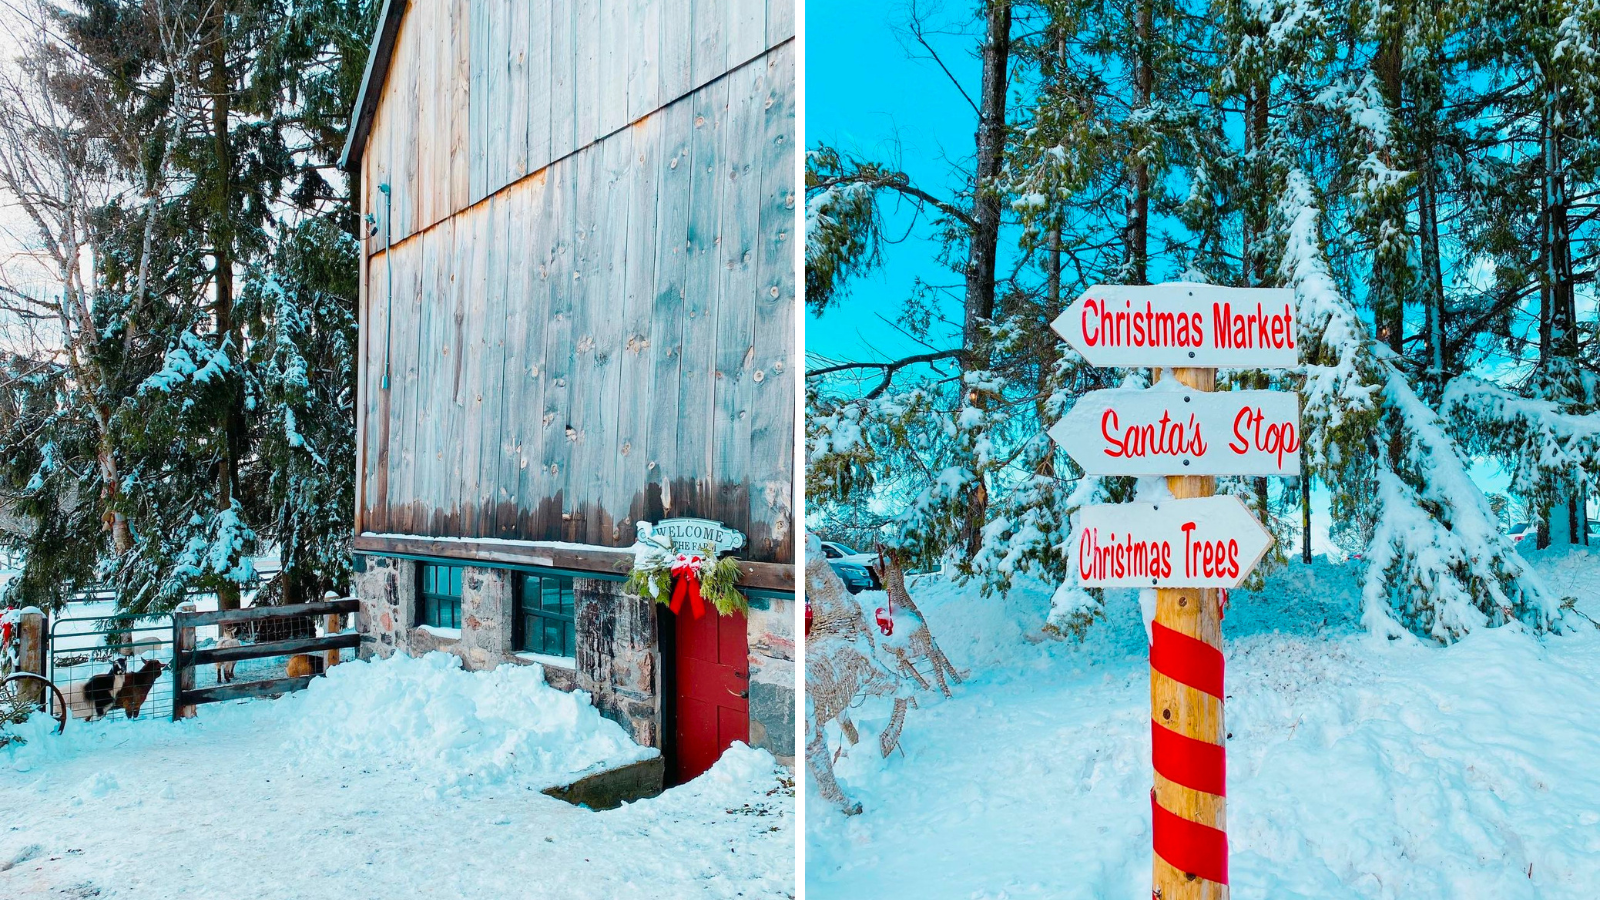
(842, 665)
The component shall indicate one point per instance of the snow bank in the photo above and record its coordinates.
(459, 731)
(454, 732)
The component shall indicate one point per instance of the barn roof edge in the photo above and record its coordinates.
(372, 82)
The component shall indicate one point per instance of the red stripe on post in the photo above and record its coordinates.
(1190, 847)
(1195, 764)
(1186, 660)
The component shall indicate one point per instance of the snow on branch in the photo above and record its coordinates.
(193, 361)
(1438, 553)
(1546, 442)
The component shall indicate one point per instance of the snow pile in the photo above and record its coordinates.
(1357, 767)
(457, 731)
(451, 731)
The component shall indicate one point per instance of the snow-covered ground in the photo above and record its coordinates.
(395, 779)
(1357, 768)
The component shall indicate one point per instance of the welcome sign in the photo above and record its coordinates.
(700, 532)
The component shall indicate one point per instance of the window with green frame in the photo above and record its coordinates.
(544, 622)
(439, 599)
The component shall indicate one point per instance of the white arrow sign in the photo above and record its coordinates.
(1182, 324)
(1205, 542)
(1174, 430)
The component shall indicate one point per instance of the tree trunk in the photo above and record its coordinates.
(1051, 352)
(1253, 265)
(982, 247)
(232, 424)
(1389, 256)
(984, 241)
(1139, 169)
(1305, 519)
(1432, 272)
(1564, 522)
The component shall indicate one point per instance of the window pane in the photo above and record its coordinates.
(566, 597)
(551, 601)
(535, 635)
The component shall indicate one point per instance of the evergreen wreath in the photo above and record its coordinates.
(671, 576)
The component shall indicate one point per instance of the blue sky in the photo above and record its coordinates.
(866, 94)
(871, 91)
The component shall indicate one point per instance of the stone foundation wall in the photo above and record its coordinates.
(619, 656)
(387, 589)
(772, 697)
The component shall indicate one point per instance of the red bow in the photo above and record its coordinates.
(686, 572)
(886, 621)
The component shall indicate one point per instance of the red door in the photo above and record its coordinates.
(712, 669)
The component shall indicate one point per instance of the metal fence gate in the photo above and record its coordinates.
(86, 650)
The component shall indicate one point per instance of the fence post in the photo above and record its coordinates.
(335, 625)
(182, 664)
(31, 652)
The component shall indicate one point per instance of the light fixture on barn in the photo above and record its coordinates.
(388, 281)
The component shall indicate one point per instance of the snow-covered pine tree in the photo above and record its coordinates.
(1437, 564)
(939, 485)
(302, 368)
(229, 116)
(1534, 177)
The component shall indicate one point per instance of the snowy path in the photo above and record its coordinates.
(1355, 770)
(287, 799)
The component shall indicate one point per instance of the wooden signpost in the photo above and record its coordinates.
(1127, 326)
(1205, 542)
(1158, 432)
(1192, 546)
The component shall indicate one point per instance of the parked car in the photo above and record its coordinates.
(853, 567)
(1519, 531)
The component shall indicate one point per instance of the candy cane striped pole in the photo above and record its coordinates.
(1188, 802)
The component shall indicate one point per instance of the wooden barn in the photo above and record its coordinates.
(577, 314)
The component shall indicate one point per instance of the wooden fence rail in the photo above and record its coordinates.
(186, 656)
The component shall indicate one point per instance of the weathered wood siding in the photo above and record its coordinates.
(591, 256)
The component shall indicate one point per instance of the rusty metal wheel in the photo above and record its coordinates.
(24, 693)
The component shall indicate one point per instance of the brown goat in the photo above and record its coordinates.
(136, 687)
(303, 664)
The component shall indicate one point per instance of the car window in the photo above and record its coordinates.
(1518, 529)
(847, 551)
(829, 551)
